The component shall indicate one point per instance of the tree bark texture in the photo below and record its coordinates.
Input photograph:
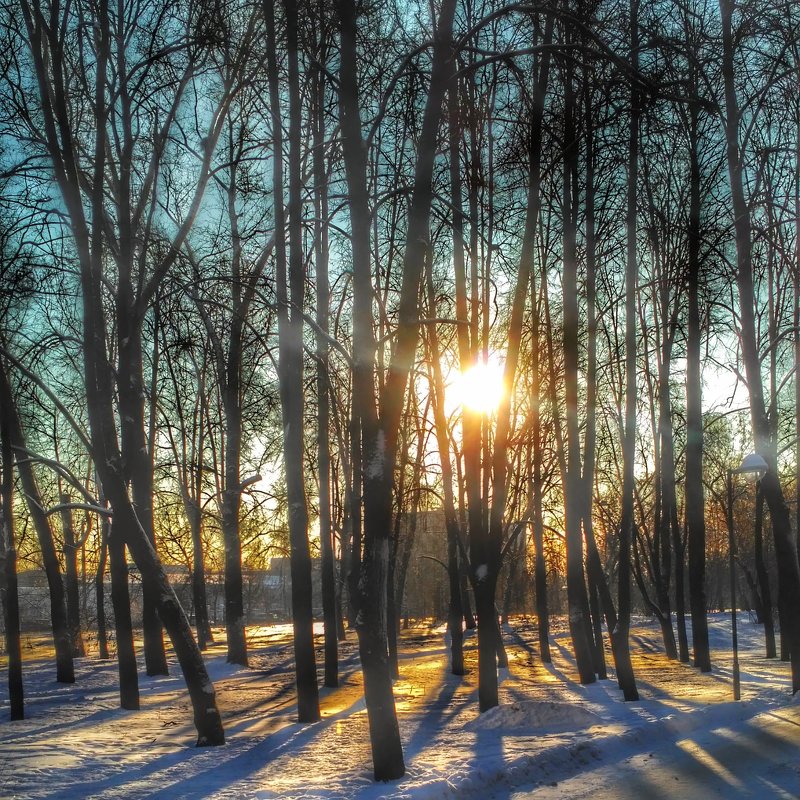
(9, 594)
(764, 592)
(71, 579)
(99, 588)
(123, 626)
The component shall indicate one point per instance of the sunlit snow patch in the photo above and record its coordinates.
(536, 714)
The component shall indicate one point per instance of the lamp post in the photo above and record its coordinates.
(752, 464)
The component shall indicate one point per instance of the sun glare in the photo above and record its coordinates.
(480, 388)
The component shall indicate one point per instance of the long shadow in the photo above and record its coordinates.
(220, 772)
(569, 657)
(101, 715)
(653, 693)
(269, 747)
(533, 650)
(646, 644)
(437, 713)
(93, 788)
(282, 691)
(521, 696)
(276, 708)
(569, 759)
(772, 750)
(782, 719)
(288, 706)
(444, 650)
(650, 703)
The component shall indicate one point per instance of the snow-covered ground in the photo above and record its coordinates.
(547, 736)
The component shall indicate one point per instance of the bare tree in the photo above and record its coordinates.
(82, 188)
(380, 421)
(785, 543)
(620, 636)
(694, 509)
(574, 486)
(290, 293)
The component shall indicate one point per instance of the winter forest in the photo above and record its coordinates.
(474, 314)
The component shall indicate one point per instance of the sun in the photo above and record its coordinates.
(480, 388)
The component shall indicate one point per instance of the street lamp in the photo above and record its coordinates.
(755, 465)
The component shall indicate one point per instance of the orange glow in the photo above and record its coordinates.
(481, 387)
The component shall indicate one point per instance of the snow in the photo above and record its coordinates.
(550, 737)
(536, 714)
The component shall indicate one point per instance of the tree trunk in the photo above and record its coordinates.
(511, 581)
(123, 627)
(668, 502)
(199, 597)
(455, 609)
(231, 503)
(485, 544)
(137, 462)
(201, 691)
(136, 450)
(764, 594)
(500, 648)
(99, 588)
(620, 636)
(353, 563)
(535, 486)
(484, 586)
(392, 610)
(401, 569)
(108, 460)
(191, 469)
(784, 646)
(329, 602)
(796, 321)
(466, 332)
(598, 652)
(229, 366)
(71, 571)
(470, 623)
(9, 594)
(680, 586)
(594, 566)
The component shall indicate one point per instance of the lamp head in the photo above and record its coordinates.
(755, 465)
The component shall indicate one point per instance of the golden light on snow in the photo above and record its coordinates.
(480, 388)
